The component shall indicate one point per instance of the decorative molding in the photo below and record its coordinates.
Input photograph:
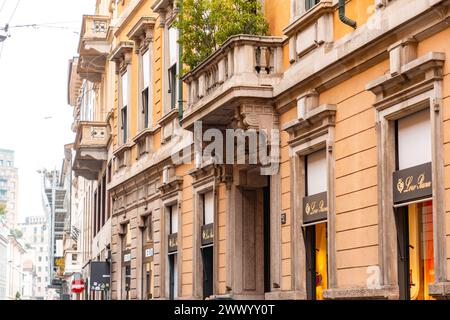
(142, 33)
(121, 55)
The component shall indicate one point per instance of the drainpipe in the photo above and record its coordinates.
(343, 17)
(180, 68)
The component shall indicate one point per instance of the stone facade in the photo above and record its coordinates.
(336, 95)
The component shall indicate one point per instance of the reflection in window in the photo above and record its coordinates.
(421, 255)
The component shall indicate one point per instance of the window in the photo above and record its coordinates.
(208, 208)
(145, 94)
(147, 266)
(172, 69)
(414, 130)
(207, 243)
(315, 218)
(173, 218)
(173, 247)
(414, 219)
(126, 261)
(316, 173)
(309, 4)
(124, 107)
(416, 255)
(128, 237)
(172, 86)
(148, 232)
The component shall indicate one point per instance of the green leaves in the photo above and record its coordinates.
(2, 209)
(206, 24)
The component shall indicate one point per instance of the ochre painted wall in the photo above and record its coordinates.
(357, 10)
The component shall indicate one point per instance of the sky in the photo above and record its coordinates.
(35, 118)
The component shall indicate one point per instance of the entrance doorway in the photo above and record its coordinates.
(316, 260)
(414, 225)
(254, 237)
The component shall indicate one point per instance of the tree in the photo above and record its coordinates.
(18, 295)
(2, 209)
(204, 25)
(17, 233)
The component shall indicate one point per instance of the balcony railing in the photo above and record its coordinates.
(249, 63)
(93, 47)
(91, 144)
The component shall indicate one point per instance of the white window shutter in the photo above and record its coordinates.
(316, 172)
(414, 140)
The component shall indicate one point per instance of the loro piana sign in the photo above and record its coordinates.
(412, 183)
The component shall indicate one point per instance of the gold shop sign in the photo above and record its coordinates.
(315, 208)
(207, 234)
(412, 183)
(173, 242)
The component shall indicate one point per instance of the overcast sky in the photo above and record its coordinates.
(35, 118)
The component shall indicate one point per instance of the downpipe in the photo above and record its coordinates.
(343, 17)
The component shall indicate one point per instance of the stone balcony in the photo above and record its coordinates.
(244, 68)
(93, 47)
(91, 146)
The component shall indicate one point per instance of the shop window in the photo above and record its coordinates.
(414, 208)
(147, 266)
(207, 237)
(126, 261)
(173, 250)
(415, 250)
(315, 215)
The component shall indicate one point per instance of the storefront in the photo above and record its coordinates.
(147, 259)
(315, 215)
(413, 204)
(126, 262)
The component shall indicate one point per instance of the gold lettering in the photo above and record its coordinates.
(408, 185)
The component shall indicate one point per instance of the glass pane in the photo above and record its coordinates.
(421, 255)
(316, 165)
(173, 38)
(124, 91)
(146, 68)
(321, 260)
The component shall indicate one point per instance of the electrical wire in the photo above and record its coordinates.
(3, 5)
(14, 11)
(1, 49)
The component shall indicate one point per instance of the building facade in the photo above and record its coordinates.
(36, 240)
(14, 269)
(350, 195)
(9, 185)
(55, 205)
(3, 259)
